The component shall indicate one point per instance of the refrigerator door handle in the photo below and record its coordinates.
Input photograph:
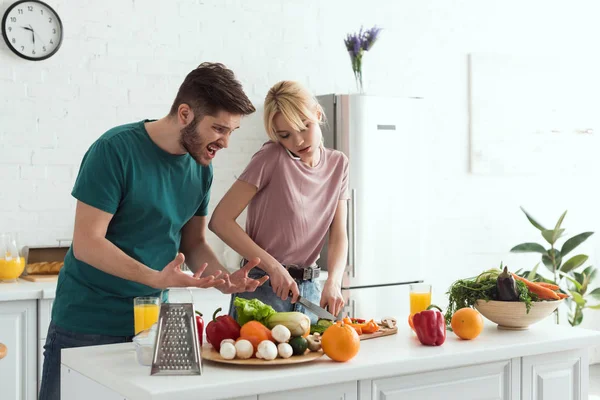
(353, 233)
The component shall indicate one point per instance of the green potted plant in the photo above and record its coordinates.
(568, 273)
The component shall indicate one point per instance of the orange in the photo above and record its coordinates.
(467, 323)
(255, 332)
(410, 321)
(340, 342)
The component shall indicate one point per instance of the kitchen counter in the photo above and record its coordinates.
(499, 364)
(26, 290)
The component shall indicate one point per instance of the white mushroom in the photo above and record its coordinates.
(227, 341)
(267, 350)
(227, 351)
(281, 333)
(390, 322)
(244, 349)
(285, 350)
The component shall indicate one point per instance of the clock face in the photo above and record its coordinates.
(32, 30)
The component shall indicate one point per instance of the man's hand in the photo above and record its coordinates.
(173, 276)
(332, 298)
(239, 281)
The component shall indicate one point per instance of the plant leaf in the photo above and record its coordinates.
(574, 262)
(548, 262)
(533, 273)
(573, 281)
(560, 220)
(578, 298)
(595, 293)
(552, 235)
(574, 242)
(596, 307)
(584, 283)
(578, 277)
(529, 248)
(533, 221)
(547, 259)
(591, 272)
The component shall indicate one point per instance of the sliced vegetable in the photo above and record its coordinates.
(314, 342)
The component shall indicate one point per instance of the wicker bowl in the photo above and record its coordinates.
(513, 314)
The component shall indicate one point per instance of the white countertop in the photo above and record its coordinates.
(26, 290)
(115, 366)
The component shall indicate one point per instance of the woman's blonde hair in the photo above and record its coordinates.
(295, 103)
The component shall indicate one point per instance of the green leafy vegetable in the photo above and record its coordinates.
(252, 310)
(465, 292)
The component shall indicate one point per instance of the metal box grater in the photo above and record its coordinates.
(177, 350)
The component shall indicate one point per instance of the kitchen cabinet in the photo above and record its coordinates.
(18, 372)
(44, 313)
(340, 391)
(556, 376)
(489, 381)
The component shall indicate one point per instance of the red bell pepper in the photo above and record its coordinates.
(220, 328)
(200, 326)
(430, 326)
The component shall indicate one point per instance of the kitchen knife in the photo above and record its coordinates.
(320, 312)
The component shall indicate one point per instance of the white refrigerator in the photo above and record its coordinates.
(383, 139)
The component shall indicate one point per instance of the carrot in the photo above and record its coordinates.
(548, 285)
(562, 295)
(542, 292)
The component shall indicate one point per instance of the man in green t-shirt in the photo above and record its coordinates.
(142, 201)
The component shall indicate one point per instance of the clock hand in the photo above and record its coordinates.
(32, 35)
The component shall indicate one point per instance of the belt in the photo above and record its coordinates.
(298, 272)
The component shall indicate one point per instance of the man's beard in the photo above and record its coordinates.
(190, 141)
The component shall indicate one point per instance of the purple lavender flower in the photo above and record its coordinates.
(356, 45)
(369, 37)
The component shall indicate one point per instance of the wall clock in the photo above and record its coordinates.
(32, 30)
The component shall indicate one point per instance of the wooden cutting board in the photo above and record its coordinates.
(40, 278)
(383, 331)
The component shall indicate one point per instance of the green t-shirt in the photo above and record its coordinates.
(152, 194)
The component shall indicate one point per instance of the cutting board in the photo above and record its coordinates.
(40, 278)
(383, 331)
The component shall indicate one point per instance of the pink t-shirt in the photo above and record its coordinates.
(291, 213)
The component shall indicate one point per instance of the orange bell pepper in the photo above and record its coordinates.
(367, 327)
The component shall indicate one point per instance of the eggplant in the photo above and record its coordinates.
(507, 287)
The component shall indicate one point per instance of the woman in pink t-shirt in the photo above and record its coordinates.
(296, 191)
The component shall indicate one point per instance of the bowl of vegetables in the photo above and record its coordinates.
(505, 298)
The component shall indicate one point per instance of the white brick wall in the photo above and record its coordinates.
(123, 61)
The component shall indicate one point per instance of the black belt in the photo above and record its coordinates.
(298, 272)
(303, 273)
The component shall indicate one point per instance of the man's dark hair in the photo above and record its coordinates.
(211, 88)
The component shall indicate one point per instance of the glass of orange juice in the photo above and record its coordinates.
(145, 312)
(420, 297)
(11, 262)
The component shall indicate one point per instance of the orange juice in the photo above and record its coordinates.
(419, 302)
(11, 269)
(144, 315)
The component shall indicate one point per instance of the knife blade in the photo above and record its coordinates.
(319, 311)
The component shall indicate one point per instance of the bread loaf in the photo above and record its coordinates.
(44, 268)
